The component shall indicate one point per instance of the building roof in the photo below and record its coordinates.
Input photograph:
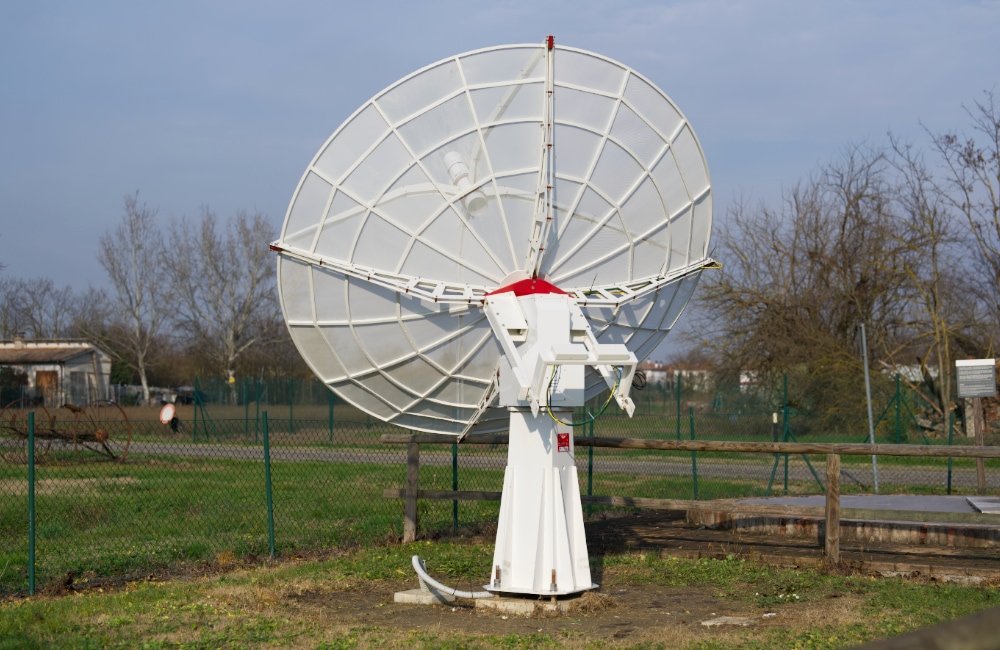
(43, 351)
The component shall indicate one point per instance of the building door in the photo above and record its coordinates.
(78, 388)
(47, 386)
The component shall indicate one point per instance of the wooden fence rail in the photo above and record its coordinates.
(833, 451)
(842, 448)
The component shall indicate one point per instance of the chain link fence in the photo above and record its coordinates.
(784, 408)
(108, 493)
(119, 499)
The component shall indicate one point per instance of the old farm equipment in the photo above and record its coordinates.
(101, 427)
(14, 432)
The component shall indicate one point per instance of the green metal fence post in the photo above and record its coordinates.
(31, 503)
(951, 431)
(785, 424)
(329, 399)
(199, 406)
(774, 471)
(454, 487)
(899, 421)
(288, 395)
(256, 420)
(677, 385)
(590, 464)
(694, 455)
(267, 489)
(246, 409)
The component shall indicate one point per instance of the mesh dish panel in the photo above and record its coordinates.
(438, 179)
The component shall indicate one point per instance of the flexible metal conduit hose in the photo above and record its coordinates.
(418, 566)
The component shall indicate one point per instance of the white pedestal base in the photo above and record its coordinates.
(541, 547)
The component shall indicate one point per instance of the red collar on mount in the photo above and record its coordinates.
(528, 287)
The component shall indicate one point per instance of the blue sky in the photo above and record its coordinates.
(222, 104)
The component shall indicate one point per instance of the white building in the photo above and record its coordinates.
(692, 376)
(59, 371)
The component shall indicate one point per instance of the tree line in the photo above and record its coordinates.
(901, 238)
(189, 297)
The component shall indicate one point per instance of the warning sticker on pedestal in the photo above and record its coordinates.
(562, 442)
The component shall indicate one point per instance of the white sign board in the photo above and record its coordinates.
(976, 377)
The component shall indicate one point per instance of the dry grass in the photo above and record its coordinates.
(68, 487)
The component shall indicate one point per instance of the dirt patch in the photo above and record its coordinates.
(619, 614)
(636, 606)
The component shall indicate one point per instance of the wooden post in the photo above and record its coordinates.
(970, 421)
(412, 484)
(979, 424)
(832, 532)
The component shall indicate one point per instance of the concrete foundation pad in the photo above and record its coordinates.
(952, 522)
(922, 503)
(528, 605)
(422, 597)
(986, 505)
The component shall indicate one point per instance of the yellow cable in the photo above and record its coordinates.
(548, 400)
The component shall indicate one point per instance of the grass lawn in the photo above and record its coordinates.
(646, 601)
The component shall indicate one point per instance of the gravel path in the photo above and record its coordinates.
(756, 468)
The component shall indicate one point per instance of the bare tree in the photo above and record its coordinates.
(798, 282)
(971, 186)
(225, 285)
(943, 315)
(132, 254)
(8, 312)
(35, 307)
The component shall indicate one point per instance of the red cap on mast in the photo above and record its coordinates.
(528, 287)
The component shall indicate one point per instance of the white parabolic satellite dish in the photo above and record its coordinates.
(485, 168)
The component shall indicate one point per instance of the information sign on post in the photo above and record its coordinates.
(976, 380)
(976, 377)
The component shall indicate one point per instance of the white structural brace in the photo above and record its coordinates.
(458, 293)
(531, 368)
